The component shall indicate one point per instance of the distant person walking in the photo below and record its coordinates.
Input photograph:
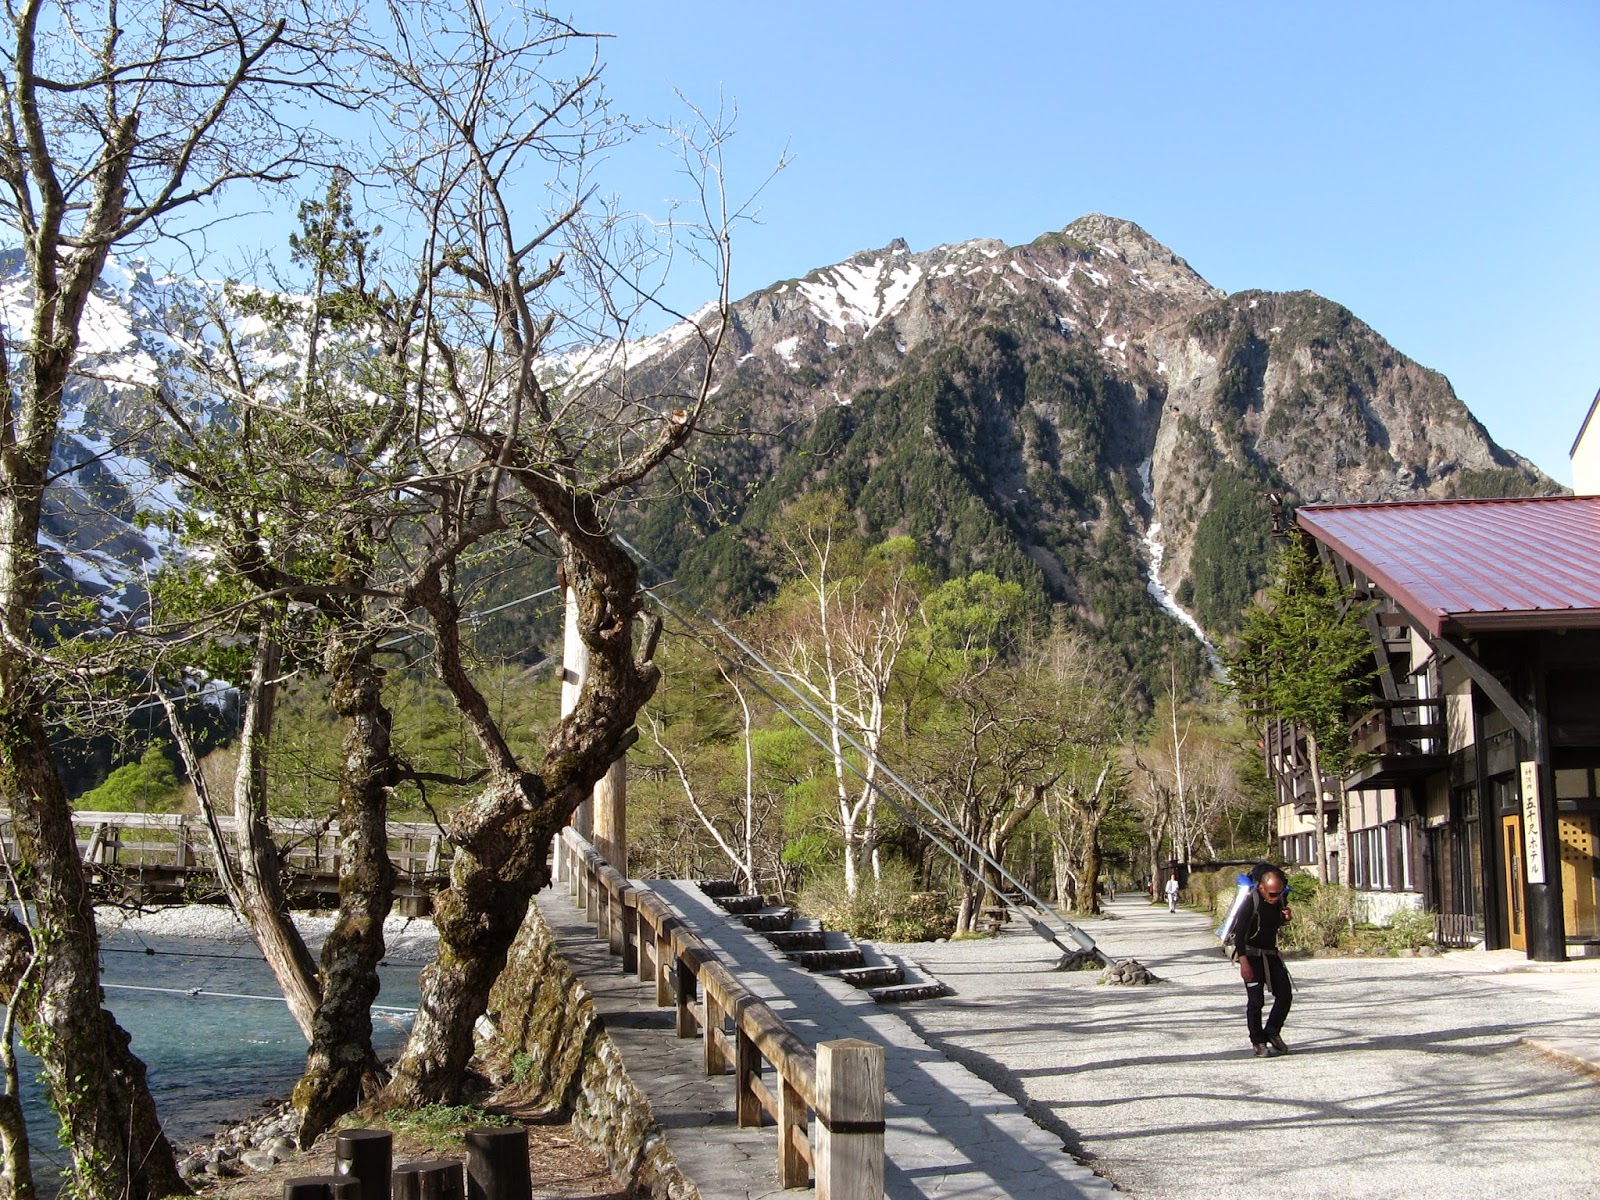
(1172, 893)
(1261, 966)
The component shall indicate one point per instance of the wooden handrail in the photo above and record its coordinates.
(644, 930)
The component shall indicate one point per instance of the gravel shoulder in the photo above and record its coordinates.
(1406, 1079)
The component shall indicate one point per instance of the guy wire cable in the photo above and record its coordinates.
(1040, 927)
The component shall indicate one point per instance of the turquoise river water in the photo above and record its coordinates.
(208, 1021)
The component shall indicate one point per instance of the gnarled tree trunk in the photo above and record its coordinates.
(502, 838)
(341, 1066)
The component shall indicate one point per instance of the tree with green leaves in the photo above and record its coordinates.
(148, 785)
(838, 631)
(1305, 656)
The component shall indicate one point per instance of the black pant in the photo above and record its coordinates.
(1265, 968)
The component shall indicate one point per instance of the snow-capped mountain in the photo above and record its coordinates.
(1085, 413)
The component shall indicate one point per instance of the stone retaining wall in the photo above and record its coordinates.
(1379, 908)
(548, 1048)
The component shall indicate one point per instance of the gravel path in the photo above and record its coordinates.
(1406, 1081)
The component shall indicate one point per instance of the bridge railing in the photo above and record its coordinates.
(179, 841)
(775, 1073)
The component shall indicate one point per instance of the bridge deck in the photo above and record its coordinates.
(950, 1134)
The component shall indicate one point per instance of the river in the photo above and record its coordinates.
(206, 1017)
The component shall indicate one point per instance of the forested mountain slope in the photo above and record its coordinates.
(1084, 413)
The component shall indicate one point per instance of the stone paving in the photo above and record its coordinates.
(1468, 1075)
(1409, 1078)
(950, 1134)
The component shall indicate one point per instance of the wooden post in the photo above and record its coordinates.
(366, 1156)
(716, 1062)
(591, 892)
(683, 978)
(321, 1187)
(848, 1148)
(646, 934)
(663, 967)
(746, 1069)
(792, 1172)
(610, 808)
(497, 1164)
(627, 943)
(574, 667)
(435, 1179)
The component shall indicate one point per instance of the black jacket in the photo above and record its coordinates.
(1260, 922)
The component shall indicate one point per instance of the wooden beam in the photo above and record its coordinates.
(1521, 720)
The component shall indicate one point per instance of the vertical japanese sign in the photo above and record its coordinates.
(1532, 823)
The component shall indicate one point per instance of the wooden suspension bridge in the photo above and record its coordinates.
(166, 858)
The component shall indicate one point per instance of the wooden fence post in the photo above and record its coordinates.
(746, 1069)
(630, 933)
(497, 1164)
(683, 990)
(715, 1061)
(663, 966)
(848, 1147)
(321, 1187)
(435, 1179)
(792, 1171)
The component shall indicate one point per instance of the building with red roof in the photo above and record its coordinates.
(1478, 795)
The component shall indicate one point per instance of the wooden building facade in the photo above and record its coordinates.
(1478, 792)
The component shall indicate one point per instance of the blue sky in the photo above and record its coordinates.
(1434, 167)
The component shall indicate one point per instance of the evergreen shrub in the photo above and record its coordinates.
(889, 909)
(1409, 929)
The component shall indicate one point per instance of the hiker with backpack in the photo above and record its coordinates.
(1253, 933)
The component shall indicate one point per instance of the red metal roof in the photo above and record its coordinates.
(1474, 565)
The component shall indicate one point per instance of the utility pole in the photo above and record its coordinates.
(603, 818)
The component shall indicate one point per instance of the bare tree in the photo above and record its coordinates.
(838, 633)
(735, 819)
(533, 421)
(114, 122)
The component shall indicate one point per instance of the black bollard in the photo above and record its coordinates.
(434, 1179)
(497, 1164)
(364, 1155)
(322, 1187)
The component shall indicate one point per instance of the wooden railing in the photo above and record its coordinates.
(1457, 930)
(177, 840)
(154, 856)
(1401, 727)
(842, 1082)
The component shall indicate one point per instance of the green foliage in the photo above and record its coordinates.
(1212, 891)
(1409, 929)
(887, 909)
(1305, 654)
(970, 620)
(306, 752)
(148, 785)
(521, 1067)
(1494, 482)
(1322, 919)
(442, 1127)
(1232, 546)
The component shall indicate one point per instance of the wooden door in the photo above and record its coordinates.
(1580, 876)
(1511, 848)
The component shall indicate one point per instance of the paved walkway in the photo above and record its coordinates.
(951, 1134)
(1410, 1078)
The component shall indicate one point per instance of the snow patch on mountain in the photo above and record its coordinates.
(861, 293)
(1155, 551)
